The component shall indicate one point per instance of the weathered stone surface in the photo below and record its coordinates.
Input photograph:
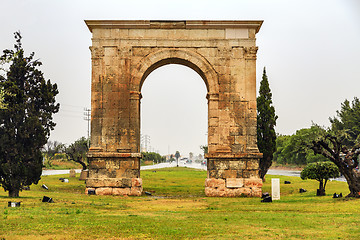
(126, 182)
(97, 164)
(229, 192)
(121, 191)
(104, 191)
(136, 191)
(94, 183)
(136, 182)
(99, 173)
(234, 182)
(84, 174)
(133, 173)
(229, 173)
(237, 165)
(251, 173)
(109, 182)
(215, 183)
(252, 164)
(124, 53)
(253, 182)
(72, 173)
(256, 192)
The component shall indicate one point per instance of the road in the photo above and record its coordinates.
(155, 166)
(58, 172)
(173, 164)
(192, 165)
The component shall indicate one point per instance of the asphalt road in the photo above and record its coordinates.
(58, 172)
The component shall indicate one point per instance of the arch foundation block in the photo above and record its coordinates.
(114, 174)
(233, 175)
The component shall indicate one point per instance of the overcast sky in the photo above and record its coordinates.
(311, 50)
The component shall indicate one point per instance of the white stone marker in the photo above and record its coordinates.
(275, 188)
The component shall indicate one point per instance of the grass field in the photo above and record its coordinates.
(178, 209)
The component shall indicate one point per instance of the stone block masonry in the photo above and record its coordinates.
(124, 53)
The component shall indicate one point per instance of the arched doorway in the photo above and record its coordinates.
(223, 53)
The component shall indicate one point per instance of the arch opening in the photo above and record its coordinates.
(173, 110)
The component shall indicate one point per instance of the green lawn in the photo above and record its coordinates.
(178, 209)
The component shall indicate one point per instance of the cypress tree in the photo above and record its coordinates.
(266, 122)
(26, 122)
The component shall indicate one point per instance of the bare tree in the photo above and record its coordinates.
(50, 149)
(77, 152)
(346, 159)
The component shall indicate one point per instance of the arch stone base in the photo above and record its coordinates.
(114, 174)
(124, 53)
(233, 175)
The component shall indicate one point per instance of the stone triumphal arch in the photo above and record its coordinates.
(124, 53)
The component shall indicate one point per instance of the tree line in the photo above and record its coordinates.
(153, 157)
(297, 149)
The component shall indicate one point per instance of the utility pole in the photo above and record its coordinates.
(87, 117)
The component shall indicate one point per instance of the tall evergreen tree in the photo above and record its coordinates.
(266, 122)
(348, 120)
(26, 122)
(2, 95)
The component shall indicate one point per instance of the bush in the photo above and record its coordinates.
(322, 172)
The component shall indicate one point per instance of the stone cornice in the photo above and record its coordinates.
(164, 24)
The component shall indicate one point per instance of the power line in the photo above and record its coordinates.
(72, 111)
(69, 105)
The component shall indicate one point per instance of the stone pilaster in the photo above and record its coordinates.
(114, 173)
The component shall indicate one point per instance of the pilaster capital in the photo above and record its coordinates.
(96, 52)
(135, 95)
(212, 97)
(250, 53)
